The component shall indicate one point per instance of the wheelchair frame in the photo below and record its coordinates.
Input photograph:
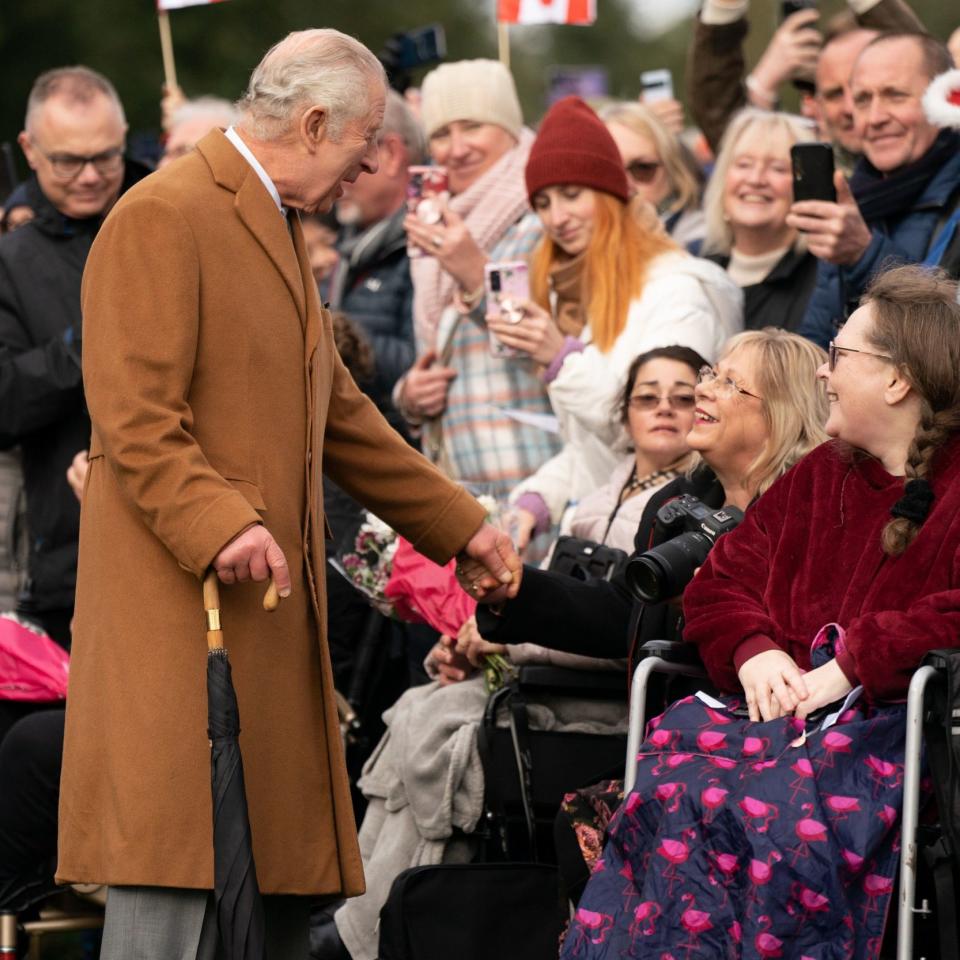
(906, 908)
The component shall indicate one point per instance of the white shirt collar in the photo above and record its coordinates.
(246, 153)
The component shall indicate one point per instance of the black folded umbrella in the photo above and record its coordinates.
(236, 893)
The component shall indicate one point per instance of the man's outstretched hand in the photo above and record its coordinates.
(488, 567)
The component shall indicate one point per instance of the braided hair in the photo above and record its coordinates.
(916, 322)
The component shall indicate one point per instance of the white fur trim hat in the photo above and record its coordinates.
(941, 102)
(478, 90)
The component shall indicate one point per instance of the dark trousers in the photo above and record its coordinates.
(30, 758)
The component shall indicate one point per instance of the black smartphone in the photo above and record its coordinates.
(788, 7)
(813, 172)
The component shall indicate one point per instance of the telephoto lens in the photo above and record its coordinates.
(665, 570)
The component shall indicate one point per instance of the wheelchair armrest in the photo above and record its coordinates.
(589, 684)
(673, 651)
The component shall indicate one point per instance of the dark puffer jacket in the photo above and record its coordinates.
(41, 390)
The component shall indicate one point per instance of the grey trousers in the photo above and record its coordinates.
(165, 923)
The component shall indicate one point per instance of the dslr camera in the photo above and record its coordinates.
(663, 572)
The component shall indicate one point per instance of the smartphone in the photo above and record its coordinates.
(790, 7)
(813, 172)
(656, 85)
(422, 46)
(505, 282)
(427, 191)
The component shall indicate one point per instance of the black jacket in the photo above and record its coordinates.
(373, 288)
(780, 299)
(41, 390)
(597, 618)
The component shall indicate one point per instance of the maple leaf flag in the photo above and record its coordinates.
(163, 5)
(581, 12)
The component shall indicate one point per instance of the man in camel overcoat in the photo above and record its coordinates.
(217, 400)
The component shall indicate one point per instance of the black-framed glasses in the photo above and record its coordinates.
(727, 385)
(642, 171)
(67, 166)
(650, 401)
(833, 351)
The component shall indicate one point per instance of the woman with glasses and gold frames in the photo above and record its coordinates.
(607, 284)
(757, 411)
(746, 205)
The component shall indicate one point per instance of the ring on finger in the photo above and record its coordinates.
(437, 241)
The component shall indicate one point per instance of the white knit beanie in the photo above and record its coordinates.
(478, 90)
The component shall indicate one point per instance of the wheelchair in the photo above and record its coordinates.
(677, 659)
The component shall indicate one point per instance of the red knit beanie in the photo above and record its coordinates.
(573, 146)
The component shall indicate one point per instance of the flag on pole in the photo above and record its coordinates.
(582, 12)
(163, 5)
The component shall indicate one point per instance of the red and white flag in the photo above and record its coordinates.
(547, 11)
(178, 4)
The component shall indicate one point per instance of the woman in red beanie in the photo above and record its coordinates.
(607, 285)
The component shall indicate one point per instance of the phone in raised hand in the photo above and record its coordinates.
(656, 85)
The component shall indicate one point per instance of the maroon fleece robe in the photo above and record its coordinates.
(808, 553)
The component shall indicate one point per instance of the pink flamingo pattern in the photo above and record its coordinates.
(723, 864)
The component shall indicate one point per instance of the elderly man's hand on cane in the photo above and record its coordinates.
(488, 567)
(253, 555)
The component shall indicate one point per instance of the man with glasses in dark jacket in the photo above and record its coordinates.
(74, 141)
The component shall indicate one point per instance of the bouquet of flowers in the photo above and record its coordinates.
(405, 585)
(369, 564)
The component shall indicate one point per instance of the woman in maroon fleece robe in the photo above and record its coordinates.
(763, 824)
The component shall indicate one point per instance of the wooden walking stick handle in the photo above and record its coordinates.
(271, 599)
(211, 603)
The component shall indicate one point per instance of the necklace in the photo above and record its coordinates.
(635, 483)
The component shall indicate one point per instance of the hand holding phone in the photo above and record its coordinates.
(505, 285)
(827, 215)
(428, 191)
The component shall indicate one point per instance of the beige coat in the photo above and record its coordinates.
(216, 392)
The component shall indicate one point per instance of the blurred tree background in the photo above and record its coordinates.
(217, 46)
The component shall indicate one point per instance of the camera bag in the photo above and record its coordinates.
(585, 559)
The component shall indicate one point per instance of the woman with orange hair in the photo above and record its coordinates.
(607, 284)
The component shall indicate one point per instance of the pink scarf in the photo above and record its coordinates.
(493, 204)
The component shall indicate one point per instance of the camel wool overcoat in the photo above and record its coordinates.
(217, 396)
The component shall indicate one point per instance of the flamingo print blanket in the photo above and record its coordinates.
(751, 840)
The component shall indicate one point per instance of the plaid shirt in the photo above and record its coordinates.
(483, 447)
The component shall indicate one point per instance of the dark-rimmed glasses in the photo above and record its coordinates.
(725, 384)
(67, 166)
(833, 351)
(650, 401)
(642, 171)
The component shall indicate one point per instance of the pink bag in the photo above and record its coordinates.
(32, 667)
(423, 592)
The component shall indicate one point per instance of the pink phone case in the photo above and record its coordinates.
(505, 282)
(427, 192)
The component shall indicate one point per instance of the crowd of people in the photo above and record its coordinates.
(182, 363)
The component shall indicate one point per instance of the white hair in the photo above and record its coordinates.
(322, 67)
(220, 112)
